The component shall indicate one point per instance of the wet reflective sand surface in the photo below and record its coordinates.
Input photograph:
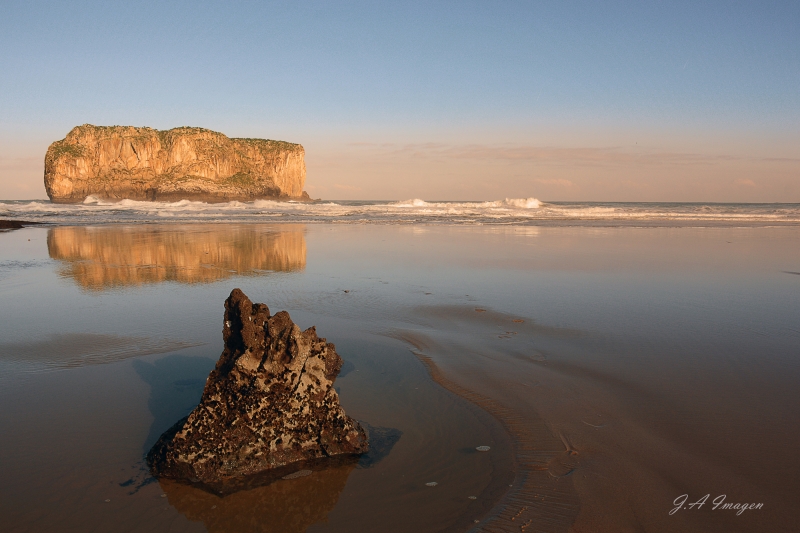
(108, 334)
(610, 370)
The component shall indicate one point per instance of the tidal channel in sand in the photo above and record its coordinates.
(610, 370)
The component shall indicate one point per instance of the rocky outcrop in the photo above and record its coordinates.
(117, 162)
(15, 224)
(269, 403)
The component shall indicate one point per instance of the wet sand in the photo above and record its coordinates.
(611, 427)
(609, 451)
(83, 402)
(610, 370)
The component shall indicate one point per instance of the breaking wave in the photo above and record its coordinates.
(508, 203)
(514, 211)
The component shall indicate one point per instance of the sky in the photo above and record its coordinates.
(562, 100)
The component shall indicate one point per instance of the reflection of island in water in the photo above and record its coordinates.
(287, 506)
(98, 258)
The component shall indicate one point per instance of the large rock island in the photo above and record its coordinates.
(268, 406)
(119, 162)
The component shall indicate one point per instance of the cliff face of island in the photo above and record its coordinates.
(118, 162)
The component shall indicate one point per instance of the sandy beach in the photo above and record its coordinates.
(609, 370)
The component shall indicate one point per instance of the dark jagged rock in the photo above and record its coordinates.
(269, 403)
(15, 224)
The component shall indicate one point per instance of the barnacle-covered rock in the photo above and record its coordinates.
(269, 403)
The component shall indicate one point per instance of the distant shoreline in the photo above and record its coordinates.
(16, 224)
(507, 212)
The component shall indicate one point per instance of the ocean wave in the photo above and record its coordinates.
(508, 203)
(515, 211)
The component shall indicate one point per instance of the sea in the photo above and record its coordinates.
(509, 211)
(520, 365)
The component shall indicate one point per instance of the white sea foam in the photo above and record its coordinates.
(508, 203)
(515, 211)
(525, 203)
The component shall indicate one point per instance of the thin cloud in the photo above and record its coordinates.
(611, 155)
(20, 162)
(346, 187)
(555, 181)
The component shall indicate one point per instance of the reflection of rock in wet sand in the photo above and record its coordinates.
(287, 505)
(102, 257)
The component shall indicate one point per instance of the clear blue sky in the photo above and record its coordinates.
(393, 100)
